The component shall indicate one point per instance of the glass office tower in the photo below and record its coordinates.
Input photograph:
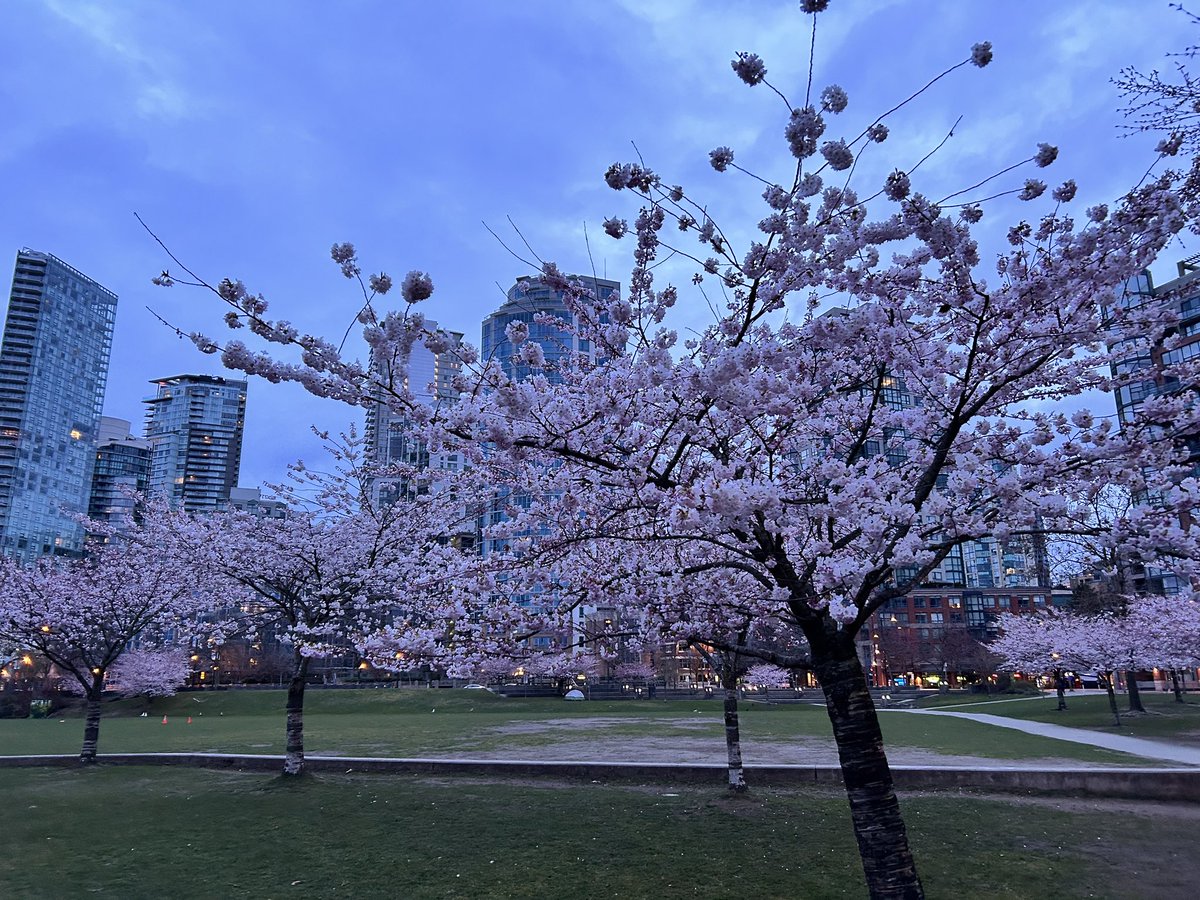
(194, 424)
(53, 369)
(529, 298)
(122, 469)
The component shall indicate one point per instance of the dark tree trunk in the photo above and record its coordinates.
(1060, 685)
(733, 737)
(874, 808)
(1135, 693)
(1107, 678)
(1175, 686)
(91, 729)
(293, 761)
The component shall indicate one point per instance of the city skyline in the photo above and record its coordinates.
(250, 141)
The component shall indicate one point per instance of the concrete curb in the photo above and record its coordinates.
(1130, 783)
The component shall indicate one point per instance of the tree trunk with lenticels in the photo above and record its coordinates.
(91, 730)
(733, 738)
(1135, 693)
(874, 808)
(293, 761)
(1107, 678)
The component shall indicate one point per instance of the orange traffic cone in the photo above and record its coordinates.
(164, 720)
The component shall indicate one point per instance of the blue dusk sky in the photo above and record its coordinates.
(253, 135)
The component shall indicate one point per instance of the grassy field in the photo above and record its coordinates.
(152, 832)
(424, 723)
(1164, 718)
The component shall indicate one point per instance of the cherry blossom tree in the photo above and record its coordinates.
(338, 566)
(728, 665)
(1154, 632)
(565, 667)
(668, 591)
(84, 615)
(1106, 644)
(494, 669)
(1036, 644)
(634, 671)
(866, 401)
(1167, 104)
(150, 673)
(1096, 550)
(1170, 630)
(767, 676)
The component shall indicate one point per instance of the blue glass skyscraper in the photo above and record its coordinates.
(122, 468)
(528, 298)
(194, 424)
(53, 370)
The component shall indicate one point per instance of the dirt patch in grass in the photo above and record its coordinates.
(1190, 738)
(553, 743)
(1181, 811)
(1150, 867)
(542, 726)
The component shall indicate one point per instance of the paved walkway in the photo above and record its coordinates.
(1176, 753)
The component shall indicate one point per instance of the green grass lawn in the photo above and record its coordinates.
(964, 699)
(1164, 718)
(135, 832)
(432, 723)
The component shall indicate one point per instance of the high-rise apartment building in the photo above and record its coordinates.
(194, 425)
(53, 370)
(251, 500)
(430, 377)
(122, 466)
(1151, 365)
(528, 299)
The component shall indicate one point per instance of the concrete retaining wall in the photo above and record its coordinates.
(1139, 784)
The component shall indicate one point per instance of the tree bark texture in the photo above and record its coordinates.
(293, 761)
(91, 730)
(874, 808)
(733, 737)
(1107, 678)
(1175, 686)
(1135, 693)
